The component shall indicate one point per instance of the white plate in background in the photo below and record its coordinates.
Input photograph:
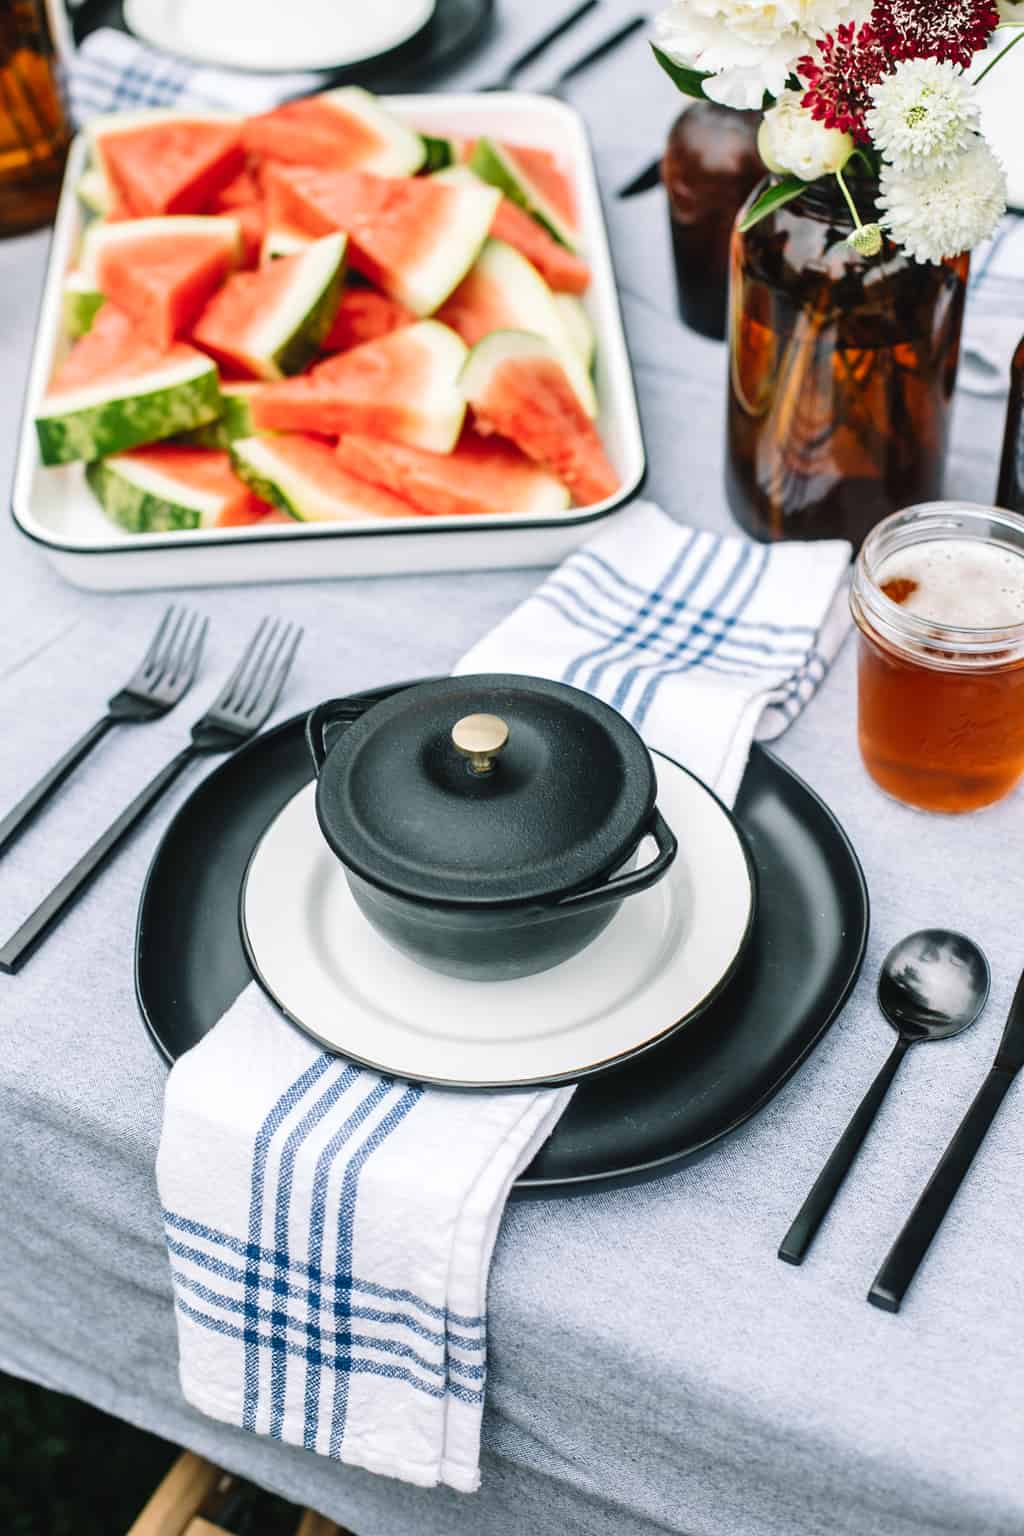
(56, 509)
(275, 35)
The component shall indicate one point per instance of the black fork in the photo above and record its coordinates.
(238, 712)
(161, 680)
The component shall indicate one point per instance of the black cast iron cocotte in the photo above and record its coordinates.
(488, 825)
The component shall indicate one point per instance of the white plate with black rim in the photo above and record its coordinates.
(662, 960)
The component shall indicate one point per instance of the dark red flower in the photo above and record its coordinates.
(839, 77)
(934, 29)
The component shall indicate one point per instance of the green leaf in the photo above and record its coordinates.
(689, 81)
(775, 196)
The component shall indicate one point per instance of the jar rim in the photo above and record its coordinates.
(926, 523)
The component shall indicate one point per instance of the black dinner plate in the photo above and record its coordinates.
(456, 28)
(668, 1105)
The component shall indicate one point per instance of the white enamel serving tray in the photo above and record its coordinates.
(662, 959)
(56, 509)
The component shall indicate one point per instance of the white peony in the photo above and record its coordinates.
(749, 46)
(789, 139)
(924, 114)
(941, 211)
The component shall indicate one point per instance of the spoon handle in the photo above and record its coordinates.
(812, 1213)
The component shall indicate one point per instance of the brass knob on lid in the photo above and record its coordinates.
(480, 738)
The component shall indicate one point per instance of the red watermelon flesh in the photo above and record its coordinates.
(559, 267)
(208, 470)
(401, 387)
(415, 237)
(238, 193)
(310, 478)
(365, 315)
(243, 198)
(309, 132)
(482, 475)
(111, 349)
(529, 400)
(164, 280)
(171, 165)
(542, 168)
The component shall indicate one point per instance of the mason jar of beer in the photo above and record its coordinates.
(938, 597)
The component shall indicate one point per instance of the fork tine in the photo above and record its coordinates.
(181, 650)
(267, 662)
(265, 703)
(149, 660)
(167, 653)
(191, 664)
(223, 699)
(255, 667)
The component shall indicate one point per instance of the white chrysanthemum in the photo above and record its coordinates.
(749, 46)
(924, 114)
(791, 140)
(942, 211)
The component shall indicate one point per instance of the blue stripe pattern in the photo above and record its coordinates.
(307, 1312)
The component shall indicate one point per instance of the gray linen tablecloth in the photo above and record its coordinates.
(653, 1367)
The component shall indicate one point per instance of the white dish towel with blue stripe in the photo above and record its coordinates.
(330, 1231)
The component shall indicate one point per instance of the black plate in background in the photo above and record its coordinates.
(681, 1096)
(456, 28)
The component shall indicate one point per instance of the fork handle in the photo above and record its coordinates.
(28, 807)
(62, 898)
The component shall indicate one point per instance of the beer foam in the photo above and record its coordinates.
(961, 582)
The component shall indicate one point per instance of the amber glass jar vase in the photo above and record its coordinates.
(842, 370)
(34, 134)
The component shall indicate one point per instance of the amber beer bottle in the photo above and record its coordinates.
(33, 125)
(1010, 491)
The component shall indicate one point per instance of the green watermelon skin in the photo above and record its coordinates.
(264, 488)
(235, 421)
(128, 421)
(134, 509)
(304, 347)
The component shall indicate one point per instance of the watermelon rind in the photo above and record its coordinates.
(93, 192)
(578, 327)
(533, 305)
(81, 302)
(235, 421)
(403, 152)
(424, 286)
(256, 461)
(100, 236)
(144, 500)
(107, 123)
(439, 153)
(493, 165)
(289, 338)
(283, 242)
(116, 413)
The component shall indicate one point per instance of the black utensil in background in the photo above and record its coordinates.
(933, 984)
(160, 681)
(238, 712)
(599, 51)
(643, 181)
(536, 48)
(902, 1261)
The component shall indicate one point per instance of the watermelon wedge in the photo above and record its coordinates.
(503, 292)
(114, 392)
(93, 192)
(343, 129)
(270, 323)
(234, 421)
(302, 476)
(365, 315)
(170, 487)
(161, 271)
(438, 154)
(578, 328)
(404, 387)
(518, 387)
(482, 475)
(165, 161)
(560, 268)
(531, 178)
(80, 304)
(415, 238)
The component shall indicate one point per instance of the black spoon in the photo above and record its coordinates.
(933, 985)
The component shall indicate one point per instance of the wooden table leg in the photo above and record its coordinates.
(181, 1495)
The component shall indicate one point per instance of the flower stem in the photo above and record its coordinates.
(1000, 55)
(849, 200)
